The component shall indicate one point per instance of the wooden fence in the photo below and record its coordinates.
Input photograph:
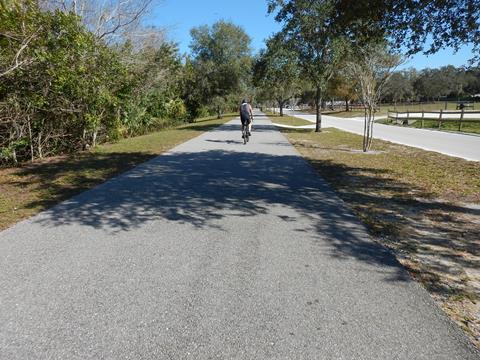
(409, 117)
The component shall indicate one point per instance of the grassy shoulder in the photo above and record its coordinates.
(31, 188)
(288, 120)
(423, 205)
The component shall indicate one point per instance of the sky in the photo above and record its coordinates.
(179, 16)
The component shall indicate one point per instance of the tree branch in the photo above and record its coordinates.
(16, 63)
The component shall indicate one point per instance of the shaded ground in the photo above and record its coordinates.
(31, 188)
(423, 205)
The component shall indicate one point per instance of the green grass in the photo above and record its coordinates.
(288, 120)
(412, 201)
(383, 109)
(472, 127)
(438, 175)
(467, 126)
(344, 114)
(31, 188)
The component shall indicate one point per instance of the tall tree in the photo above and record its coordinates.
(307, 29)
(276, 72)
(222, 61)
(400, 87)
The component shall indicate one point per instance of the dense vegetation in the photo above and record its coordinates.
(432, 84)
(67, 85)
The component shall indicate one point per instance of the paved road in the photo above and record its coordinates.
(215, 250)
(458, 145)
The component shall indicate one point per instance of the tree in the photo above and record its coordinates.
(410, 24)
(307, 29)
(430, 85)
(344, 86)
(107, 20)
(222, 62)
(16, 34)
(400, 87)
(472, 76)
(407, 24)
(372, 65)
(154, 79)
(67, 92)
(276, 71)
(67, 89)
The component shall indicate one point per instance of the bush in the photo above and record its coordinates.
(176, 110)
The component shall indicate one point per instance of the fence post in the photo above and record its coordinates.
(440, 120)
(460, 123)
(408, 117)
(423, 115)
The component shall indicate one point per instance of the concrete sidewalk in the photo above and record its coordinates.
(215, 250)
(458, 145)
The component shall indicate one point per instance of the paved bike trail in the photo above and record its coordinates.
(215, 250)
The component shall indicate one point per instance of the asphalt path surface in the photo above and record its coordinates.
(459, 145)
(215, 250)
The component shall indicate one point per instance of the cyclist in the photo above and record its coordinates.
(246, 116)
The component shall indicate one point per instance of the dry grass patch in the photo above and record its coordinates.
(31, 188)
(423, 205)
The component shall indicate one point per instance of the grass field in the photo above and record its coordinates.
(383, 109)
(288, 120)
(31, 188)
(467, 126)
(422, 205)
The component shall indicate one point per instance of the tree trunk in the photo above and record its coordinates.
(94, 138)
(365, 127)
(372, 122)
(39, 145)
(84, 139)
(318, 103)
(219, 113)
(368, 128)
(280, 105)
(32, 151)
(347, 105)
(14, 156)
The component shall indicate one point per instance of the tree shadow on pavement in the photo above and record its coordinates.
(203, 187)
(446, 235)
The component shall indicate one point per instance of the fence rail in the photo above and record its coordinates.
(409, 117)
